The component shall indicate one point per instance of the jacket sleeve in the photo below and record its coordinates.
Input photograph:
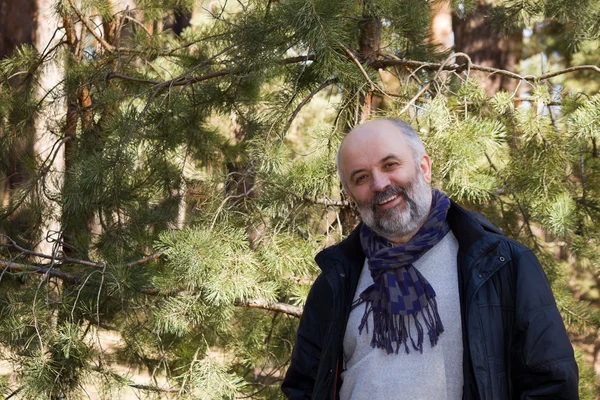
(543, 364)
(300, 378)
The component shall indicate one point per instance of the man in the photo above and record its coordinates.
(424, 300)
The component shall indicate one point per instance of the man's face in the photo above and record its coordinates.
(391, 190)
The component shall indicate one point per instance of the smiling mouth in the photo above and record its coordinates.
(387, 199)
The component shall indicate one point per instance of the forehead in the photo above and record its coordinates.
(372, 142)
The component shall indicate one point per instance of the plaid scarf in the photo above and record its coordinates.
(400, 293)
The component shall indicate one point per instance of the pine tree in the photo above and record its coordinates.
(199, 176)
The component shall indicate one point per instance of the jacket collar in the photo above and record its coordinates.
(468, 228)
(348, 251)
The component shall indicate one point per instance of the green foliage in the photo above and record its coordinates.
(199, 177)
(218, 263)
(4, 386)
(585, 121)
(212, 381)
(587, 376)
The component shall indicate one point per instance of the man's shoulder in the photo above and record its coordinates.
(349, 245)
(471, 226)
(347, 251)
(495, 232)
(485, 223)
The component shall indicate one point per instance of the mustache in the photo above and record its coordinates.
(391, 191)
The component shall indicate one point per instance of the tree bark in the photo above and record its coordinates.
(475, 36)
(46, 127)
(18, 20)
(369, 45)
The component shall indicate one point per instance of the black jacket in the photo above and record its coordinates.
(514, 340)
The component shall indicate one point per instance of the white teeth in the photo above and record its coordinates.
(387, 199)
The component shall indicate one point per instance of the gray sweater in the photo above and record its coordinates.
(437, 373)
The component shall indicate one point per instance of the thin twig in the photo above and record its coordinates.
(362, 70)
(138, 23)
(327, 202)
(181, 81)
(144, 260)
(288, 309)
(378, 64)
(190, 371)
(294, 60)
(475, 67)
(563, 71)
(133, 385)
(108, 47)
(70, 260)
(152, 388)
(44, 169)
(306, 100)
(440, 69)
(14, 393)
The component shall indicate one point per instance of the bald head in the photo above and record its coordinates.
(387, 126)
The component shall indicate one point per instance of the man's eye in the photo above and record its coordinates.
(361, 179)
(391, 164)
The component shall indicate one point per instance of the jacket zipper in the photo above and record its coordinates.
(337, 365)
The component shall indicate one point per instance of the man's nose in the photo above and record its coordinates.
(379, 181)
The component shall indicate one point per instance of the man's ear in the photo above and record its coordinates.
(348, 195)
(425, 165)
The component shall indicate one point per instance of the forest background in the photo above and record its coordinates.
(167, 171)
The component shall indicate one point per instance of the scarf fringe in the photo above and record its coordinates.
(391, 332)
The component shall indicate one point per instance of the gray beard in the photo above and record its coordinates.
(395, 222)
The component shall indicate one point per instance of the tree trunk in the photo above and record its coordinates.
(50, 155)
(17, 24)
(369, 43)
(476, 37)
(182, 21)
(17, 27)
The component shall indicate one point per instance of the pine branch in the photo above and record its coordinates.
(107, 46)
(326, 201)
(63, 260)
(533, 99)
(380, 64)
(70, 260)
(294, 60)
(426, 87)
(144, 260)
(306, 100)
(288, 309)
(152, 388)
(131, 384)
(113, 75)
(182, 81)
(170, 83)
(360, 67)
(564, 71)
(11, 266)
